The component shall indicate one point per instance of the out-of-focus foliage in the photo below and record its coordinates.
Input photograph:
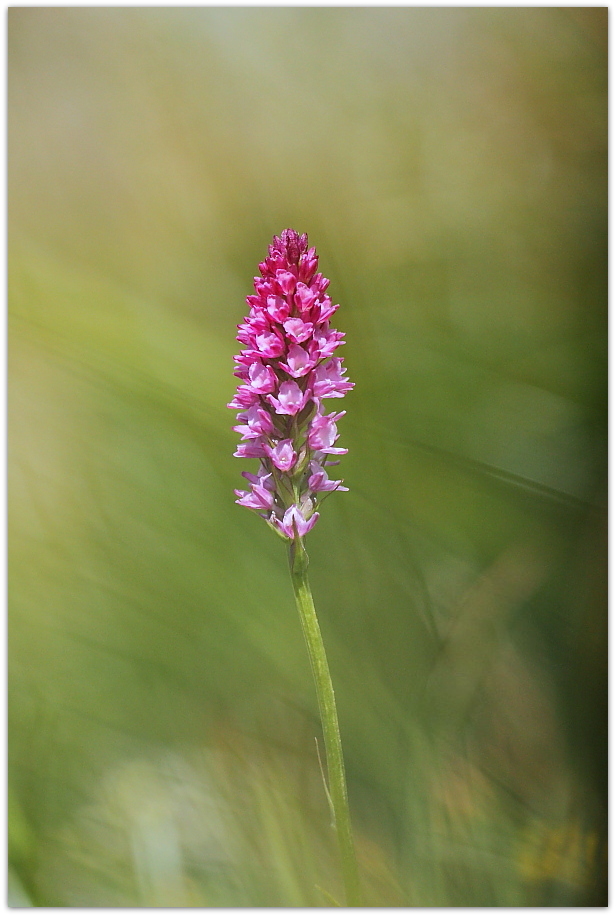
(450, 167)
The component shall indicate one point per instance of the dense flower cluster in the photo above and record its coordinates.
(286, 370)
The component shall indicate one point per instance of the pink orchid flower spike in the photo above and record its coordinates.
(286, 369)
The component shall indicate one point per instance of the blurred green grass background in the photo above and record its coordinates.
(450, 167)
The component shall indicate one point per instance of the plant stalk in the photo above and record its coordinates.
(298, 563)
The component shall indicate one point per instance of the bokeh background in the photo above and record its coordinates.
(450, 167)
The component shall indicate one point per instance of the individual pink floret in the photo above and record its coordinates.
(270, 344)
(323, 431)
(261, 379)
(250, 450)
(320, 482)
(294, 524)
(282, 454)
(328, 380)
(258, 498)
(278, 308)
(257, 423)
(262, 477)
(297, 330)
(291, 399)
(298, 362)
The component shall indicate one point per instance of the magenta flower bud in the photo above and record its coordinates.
(308, 264)
(290, 245)
(319, 283)
(263, 288)
(286, 368)
(305, 297)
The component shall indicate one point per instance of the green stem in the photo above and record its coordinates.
(298, 562)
